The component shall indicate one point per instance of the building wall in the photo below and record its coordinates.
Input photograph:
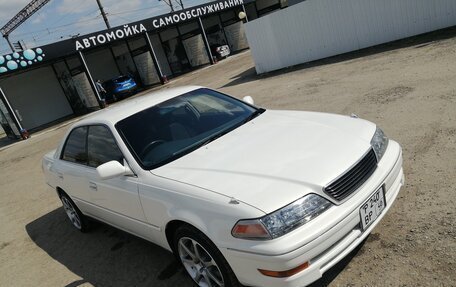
(315, 29)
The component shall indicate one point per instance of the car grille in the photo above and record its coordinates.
(354, 178)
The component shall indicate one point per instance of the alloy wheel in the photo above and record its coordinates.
(199, 263)
(71, 212)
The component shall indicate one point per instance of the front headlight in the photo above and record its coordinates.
(379, 142)
(283, 220)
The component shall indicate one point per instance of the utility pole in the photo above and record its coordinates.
(181, 4)
(105, 18)
(169, 3)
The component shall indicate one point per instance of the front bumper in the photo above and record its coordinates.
(330, 245)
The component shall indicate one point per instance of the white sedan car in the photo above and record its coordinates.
(240, 194)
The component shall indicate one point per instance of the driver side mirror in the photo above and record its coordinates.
(113, 169)
(248, 100)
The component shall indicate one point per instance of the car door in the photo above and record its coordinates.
(71, 167)
(116, 200)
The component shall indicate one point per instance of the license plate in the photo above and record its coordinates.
(372, 208)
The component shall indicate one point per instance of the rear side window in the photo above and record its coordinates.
(102, 146)
(75, 149)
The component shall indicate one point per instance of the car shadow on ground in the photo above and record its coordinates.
(419, 41)
(334, 271)
(105, 256)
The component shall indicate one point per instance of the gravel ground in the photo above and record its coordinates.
(408, 88)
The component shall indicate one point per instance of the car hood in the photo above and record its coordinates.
(276, 158)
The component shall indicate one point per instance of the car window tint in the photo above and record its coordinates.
(102, 146)
(75, 146)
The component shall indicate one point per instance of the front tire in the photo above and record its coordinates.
(202, 260)
(77, 219)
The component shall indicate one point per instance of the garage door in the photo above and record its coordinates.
(102, 65)
(37, 97)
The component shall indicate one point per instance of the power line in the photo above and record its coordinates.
(169, 3)
(53, 32)
(123, 18)
(22, 16)
(50, 32)
(66, 15)
(179, 2)
(105, 18)
(63, 17)
(26, 12)
(136, 10)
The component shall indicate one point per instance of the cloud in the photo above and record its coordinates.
(38, 18)
(76, 6)
(115, 6)
(84, 6)
(9, 9)
(88, 22)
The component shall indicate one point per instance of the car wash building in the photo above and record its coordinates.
(43, 85)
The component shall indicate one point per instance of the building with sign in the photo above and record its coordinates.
(46, 84)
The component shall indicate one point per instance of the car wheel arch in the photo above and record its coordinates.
(84, 221)
(178, 229)
(174, 224)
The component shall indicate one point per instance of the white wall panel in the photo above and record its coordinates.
(315, 29)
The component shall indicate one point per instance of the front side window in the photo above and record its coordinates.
(169, 130)
(102, 147)
(75, 146)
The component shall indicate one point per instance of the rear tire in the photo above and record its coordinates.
(77, 219)
(202, 260)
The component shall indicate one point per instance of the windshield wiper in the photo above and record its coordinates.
(220, 134)
(254, 115)
(249, 118)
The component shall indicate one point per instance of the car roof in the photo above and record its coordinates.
(112, 114)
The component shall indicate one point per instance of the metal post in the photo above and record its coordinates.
(105, 18)
(169, 3)
(92, 83)
(206, 43)
(9, 43)
(11, 112)
(181, 4)
(163, 79)
(246, 17)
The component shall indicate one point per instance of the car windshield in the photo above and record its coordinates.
(172, 129)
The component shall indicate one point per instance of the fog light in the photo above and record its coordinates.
(287, 273)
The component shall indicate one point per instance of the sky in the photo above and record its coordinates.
(60, 19)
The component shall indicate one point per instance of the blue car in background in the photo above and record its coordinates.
(119, 88)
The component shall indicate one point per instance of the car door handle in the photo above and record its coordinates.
(60, 175)
(93, 186)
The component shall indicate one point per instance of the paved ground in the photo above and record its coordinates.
(408, 88)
